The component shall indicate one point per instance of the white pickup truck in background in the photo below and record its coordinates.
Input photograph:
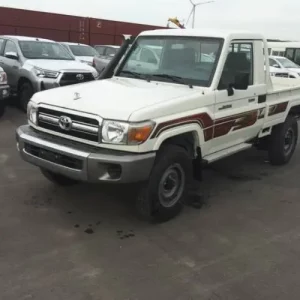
(160, 124)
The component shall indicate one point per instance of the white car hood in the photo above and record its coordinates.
(115, 98)
(59, 65)
(296, 70)
(85, 58)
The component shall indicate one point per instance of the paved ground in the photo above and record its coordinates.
(243, 244)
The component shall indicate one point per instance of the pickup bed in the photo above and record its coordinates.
(158, 123)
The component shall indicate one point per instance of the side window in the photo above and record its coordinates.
(1, 47)
(290, 54)
(110, 51)
(272, 62)
(148, 56)
(100, 50)
(297, 56)
(10, 47)
(238, 66)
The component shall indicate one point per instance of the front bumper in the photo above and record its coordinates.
(82, 162)
(4, 91)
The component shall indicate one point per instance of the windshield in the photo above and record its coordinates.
(286, 63)
(80, 50)
(185, 60)
(44, 50)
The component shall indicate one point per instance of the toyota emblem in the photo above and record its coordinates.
(65, 123)
(80, 77)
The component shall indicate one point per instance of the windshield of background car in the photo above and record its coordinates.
(192, 59)
(79, 50)
(44, 50)
(287, 63)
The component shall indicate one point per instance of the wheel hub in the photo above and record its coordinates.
(289, 140)
(171, 185)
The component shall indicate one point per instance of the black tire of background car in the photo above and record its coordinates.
(25, 93)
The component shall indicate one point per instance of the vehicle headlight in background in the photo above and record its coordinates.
(272, 74)
(115, 132)
(3, 78)
(32, 112)
(45, 73)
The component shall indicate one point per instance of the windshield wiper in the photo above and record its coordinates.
(134, 74)
(174, 78)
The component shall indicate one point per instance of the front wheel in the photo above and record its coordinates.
(58, 178)
(162, 197)
(283, 141)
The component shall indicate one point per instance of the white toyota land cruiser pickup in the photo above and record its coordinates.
(156, 121)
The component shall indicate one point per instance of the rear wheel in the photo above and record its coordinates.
(283, 141)
(162, 197)
(25, 93)
(58, 178)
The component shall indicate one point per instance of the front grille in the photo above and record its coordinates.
(81, 127)
(73, 78)
(282, 75)
(54, 157)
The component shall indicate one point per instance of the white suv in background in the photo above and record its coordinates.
(81, 52)
(281, 63)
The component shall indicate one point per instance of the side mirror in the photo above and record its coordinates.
(276, 66)
(11, 55)
(241, 83)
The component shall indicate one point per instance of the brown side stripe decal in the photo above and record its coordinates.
(278, 108)
(213, 129)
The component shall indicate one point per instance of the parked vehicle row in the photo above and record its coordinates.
(209, 95)
(4, 91)
(35, 64)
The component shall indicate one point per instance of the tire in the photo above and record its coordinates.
(283, 141)
(25, 93)
(2, 108)
(171, 175)
(58, 179)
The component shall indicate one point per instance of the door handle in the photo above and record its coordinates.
(251, 100)
(225, 106)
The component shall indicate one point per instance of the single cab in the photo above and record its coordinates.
(159, 123)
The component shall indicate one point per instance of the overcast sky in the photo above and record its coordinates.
(274, 18)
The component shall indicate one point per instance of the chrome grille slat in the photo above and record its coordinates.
(82, 127)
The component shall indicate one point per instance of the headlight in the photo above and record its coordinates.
(3, 78)
(32, 112)
(95, 74)
(114, 132)
(272, 74)
(45, 74)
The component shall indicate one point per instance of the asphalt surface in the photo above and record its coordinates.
(85, 242)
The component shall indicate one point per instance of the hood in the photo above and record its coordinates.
(295, 70)
(276, 70)
(114, 98)
(85, 59)
(59, 65)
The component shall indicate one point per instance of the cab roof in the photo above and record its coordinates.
(212, 33)
(26, 38)
(74, 44)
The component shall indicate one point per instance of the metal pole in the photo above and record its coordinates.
(194, 9)
(194, 12)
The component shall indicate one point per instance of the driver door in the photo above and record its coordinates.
(235, 115)
(11, 66)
